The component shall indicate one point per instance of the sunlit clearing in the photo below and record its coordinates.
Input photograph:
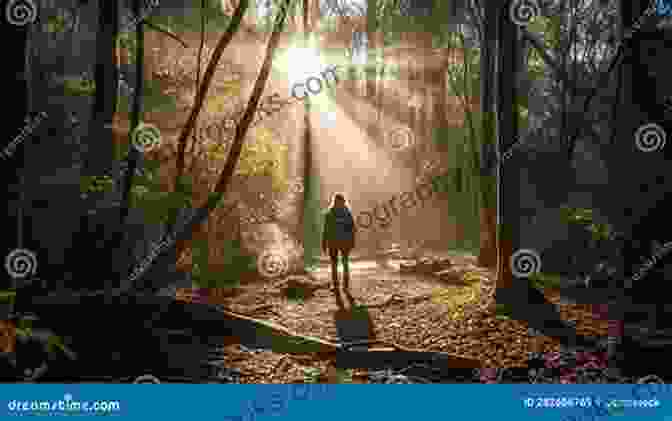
(351, 162)
(299, 62)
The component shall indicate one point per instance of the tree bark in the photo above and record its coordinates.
(100, 148)
(488, 213)
(224, 41)
(15, 73)
(507, 131)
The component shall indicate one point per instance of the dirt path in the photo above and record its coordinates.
(454, 317)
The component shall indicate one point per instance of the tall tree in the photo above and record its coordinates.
(100, 145)
(15, 72)
(311, 194)
(507, 130)
(488, 217)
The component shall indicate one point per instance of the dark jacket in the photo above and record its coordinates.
(339, 229)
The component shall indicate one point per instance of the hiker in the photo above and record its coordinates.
(339, 237)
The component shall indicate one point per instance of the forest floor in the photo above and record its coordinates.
(450, 310)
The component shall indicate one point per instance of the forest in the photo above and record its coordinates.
(170, 165)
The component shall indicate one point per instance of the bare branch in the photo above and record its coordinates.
(165, 31)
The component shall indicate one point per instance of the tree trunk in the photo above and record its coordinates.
(15, 72)
(371, 37)
(100, 143)
(488, 213)
(507, 131)
(311, 193)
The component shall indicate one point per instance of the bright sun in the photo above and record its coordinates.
(300, 63)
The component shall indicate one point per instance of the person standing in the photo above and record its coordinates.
(338, 238)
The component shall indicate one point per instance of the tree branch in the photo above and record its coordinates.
(170, 34)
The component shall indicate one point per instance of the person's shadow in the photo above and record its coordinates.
(353, 323)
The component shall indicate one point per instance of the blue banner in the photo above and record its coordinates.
(300, 402)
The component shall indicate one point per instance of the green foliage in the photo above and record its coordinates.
(95, 184)
(391, 21)
(234, 264)
(7, 296)
(121, 150)
(503, 311)
(344, 375)
(159, 206)
(311, 374)
(58, 23)
(189, 19)
(295, 294)
(153, 99)
(265, 24)
(444, 137)
(581, 216)
(128, 42)
(543, 281)
(24, 329)
(600, 231)
(326, 24)
(375, 70)
(79, 86)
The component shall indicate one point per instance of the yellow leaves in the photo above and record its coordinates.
(456, 298)
(216, 150)
(262, 135)
(216, 104)
(230, 87)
